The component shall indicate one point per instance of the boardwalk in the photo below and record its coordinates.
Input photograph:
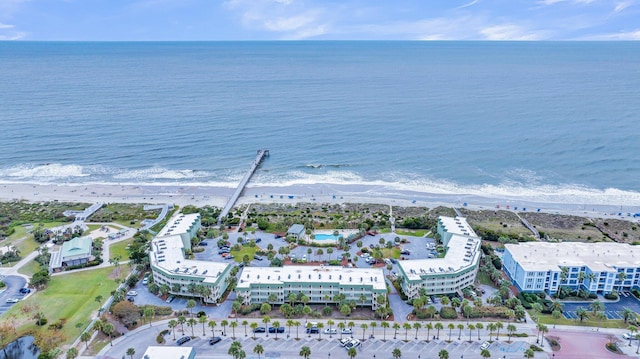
(243, 183)
(529, 226)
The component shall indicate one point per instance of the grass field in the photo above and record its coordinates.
(120, 249)
(391, 253)
(70, 296)
(549, 320)
(483, 278)
(412, 232)
(248, 250)
(29, 268)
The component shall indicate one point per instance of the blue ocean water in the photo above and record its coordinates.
(505, 118)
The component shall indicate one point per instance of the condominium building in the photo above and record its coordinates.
(595, 267)
(319, 283)
(185, 277)
(449, 274)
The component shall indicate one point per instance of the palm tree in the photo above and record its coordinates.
(352, 352)
(479, 327)
(396, 353)
(233, 326)
(406, 327)
(396, 326)
(258, 349)
(341, 326)
(86, 336)
(511, 329)
(130, 352)
(212, 325)
(438, 327)
(364, 327)
(245, 323)
(429, 326)
(172, 325)
(499, 326)
(443, 354)
(72, 353)
(628, 314)
(297, 324)
(471, 327)
(417, 326)
(633, 330)
(373, 326)
(181, 321)
(450, 326)
(253, 327)
(581, 313)
(460, 327)
(491, 327)
(203, 321)
(266, 320)
(596, 306)
(108, 329)
(192, 322)
(485, 353)
(224, 324)
(621, 276)
(305, 352)
(384, 326)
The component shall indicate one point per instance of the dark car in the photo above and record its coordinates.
(204, 243)
(183, 340)
(131, 299)
(313, 330)
(258, 240)
(222, 251)
(228, 257)
(405, 252)
(215, 340)
(274, 329)
(394, 261)
(25, 290)
(257, 257)
(259, 330)
(371, 245)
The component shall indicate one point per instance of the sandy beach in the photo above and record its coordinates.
(316, 193)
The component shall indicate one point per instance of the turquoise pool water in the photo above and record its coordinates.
(322, 237)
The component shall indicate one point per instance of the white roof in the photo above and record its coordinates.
(312, 274)
(168, 352)
(178, 224)
(457, 225)
(599, 257)
(462, 252)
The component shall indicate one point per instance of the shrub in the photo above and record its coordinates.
(520, 335)
(611, 296)
(41, 322)
(160, 338)
(246, 309)
(535, 348)
(448, 313)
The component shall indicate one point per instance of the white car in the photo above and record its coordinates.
(352, 344)
(346, 331)
(485, 345)
(13, 300)
(132, 293)
(330, 331)
(629, 336)
(345, 341)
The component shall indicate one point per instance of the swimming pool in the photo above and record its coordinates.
(323, 237)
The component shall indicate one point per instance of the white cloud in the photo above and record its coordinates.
(619, 36)
(623, 5)
(508, 32)
(468, 4)
(5, 26)
(552, 2)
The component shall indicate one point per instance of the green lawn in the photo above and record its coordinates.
(483, 278)
(391, 253)
(70, 296)
(29, 268)
(93, 227)
(412, 232)
(19, 233)
(549, 320)
(120, 249)
(248, 250)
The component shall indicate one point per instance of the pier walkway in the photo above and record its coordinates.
(529, 226)
(243, 183)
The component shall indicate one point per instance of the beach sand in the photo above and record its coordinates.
(182, 195)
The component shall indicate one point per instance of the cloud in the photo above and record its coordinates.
(552, 2)
(633, 35)
(468, 4)
(622, 5)
(7, 33)
(509, 32)
(5, 26)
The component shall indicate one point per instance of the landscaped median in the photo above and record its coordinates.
(67, 304)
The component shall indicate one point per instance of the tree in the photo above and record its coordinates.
(498, 326)
(628, 314)
(108, 329)
(233, 326)
(621, 276)
(72, 353)
(529, 353)
(443, 354)
(245, 323)
(352, 352)
(429, 327)
(364, 328)
(99, 299)
(235, 350)
(460, 328)
(190, 305)
(172, 325)
(384, 326)
(451, 327)
(396, 326)
(148, 314)
(258, 349)
(253, 327)
(224, 324)
(212, 325)
(202, 320)
(266, 320)
(511, 329)
(85, 337)
(417, 326)
(297, 324)
(406, 327)
(396, 353)
(581, 313)
(265, 308)
(438, 327)
(305, 352)
(130, 352)
(633, 330)
(485, 353)
(479, 327)
(181, 321)
(127, 312)
(192, 322)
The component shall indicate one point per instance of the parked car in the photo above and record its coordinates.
(371, 245)
(405, 252)
(258, 240)
(313, 330)
(274, 329)
(259, 330)
(25, 290)
(145, 281)
(352, 344)
(215, 340)
(330, 331)
(131, 299)
(170, 299)
(394, 261)
(344, 341)
(132, 293)
(183, 340)
(485, 345)
(229, 257)
(629, 336)
(346, 331)
(204, 243)
(223, 251)
(257, 257)
(13, 300)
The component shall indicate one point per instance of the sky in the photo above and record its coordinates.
(227, 20)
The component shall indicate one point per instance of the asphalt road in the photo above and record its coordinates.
(14, 283)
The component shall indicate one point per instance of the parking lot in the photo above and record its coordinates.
(12, 291)
(613, 310)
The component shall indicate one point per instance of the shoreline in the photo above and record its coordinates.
(182, 195)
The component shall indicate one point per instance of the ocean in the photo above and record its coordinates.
(547, 121)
